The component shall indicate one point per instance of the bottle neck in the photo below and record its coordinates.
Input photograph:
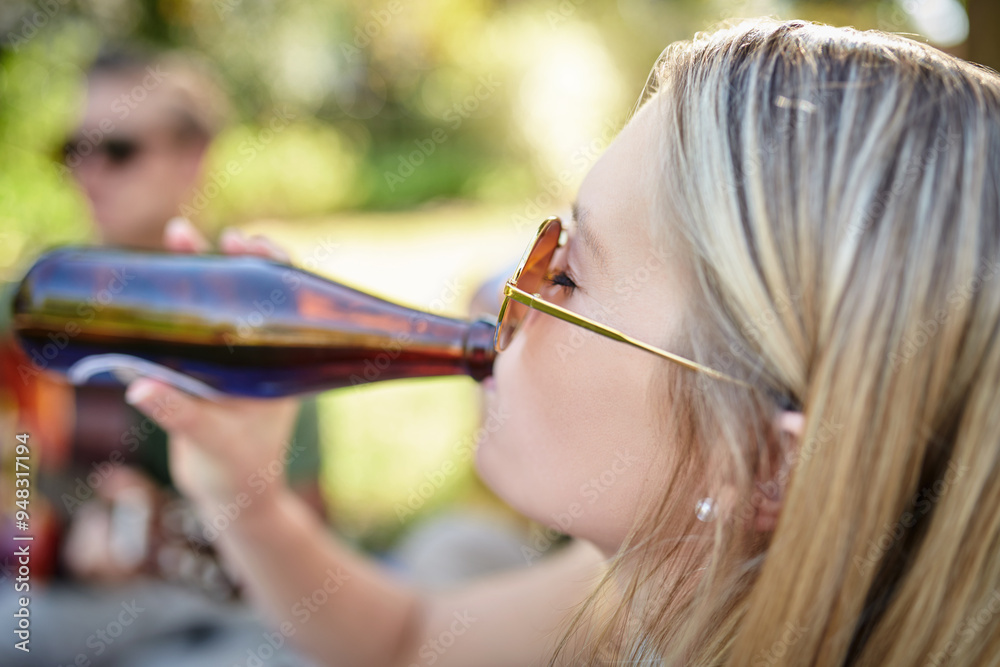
(479, 350)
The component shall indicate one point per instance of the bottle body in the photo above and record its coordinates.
(241, 325)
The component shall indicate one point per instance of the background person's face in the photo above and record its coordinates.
(131, 199)
(582, 444)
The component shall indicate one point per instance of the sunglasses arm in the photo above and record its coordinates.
(536, 302)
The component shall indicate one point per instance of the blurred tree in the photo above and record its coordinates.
(387, 97)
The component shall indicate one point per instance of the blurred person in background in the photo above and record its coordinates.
(140, 145)
(137, 155)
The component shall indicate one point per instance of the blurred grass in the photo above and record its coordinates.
(396, 453)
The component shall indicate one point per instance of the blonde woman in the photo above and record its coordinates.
(791, 457)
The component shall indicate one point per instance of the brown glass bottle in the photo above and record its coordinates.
(240, 325)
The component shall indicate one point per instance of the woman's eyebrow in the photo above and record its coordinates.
(581, 224)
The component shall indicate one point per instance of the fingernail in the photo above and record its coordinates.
(230, 234)
(269, 249)
(177, 225)
(139, 391)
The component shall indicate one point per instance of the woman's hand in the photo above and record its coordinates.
(227, 456)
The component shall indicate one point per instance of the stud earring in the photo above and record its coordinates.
(705, 510)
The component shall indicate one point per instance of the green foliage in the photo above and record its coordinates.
(40, 92)
(287, 168)
(367, 84)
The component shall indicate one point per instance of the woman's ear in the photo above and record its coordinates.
(788, 426)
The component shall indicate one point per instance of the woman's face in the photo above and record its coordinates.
(578, 442)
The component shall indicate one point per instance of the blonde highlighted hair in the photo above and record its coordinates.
(838, 194)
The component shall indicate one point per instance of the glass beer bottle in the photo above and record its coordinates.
(237, 325)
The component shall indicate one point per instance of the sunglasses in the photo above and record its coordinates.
(118, 152)
(521, 293)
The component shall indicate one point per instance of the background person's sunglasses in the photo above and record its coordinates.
(118, 151)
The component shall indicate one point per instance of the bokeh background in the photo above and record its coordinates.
(425, 140)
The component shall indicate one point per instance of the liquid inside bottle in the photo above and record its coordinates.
(239, 325)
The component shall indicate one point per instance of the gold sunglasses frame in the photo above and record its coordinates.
(536, 302)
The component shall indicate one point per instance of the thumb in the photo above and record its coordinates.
(179, 413)
(180, 235)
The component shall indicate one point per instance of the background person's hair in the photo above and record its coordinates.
(185, 85)
(839, 196)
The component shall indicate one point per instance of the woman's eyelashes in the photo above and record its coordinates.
(563, 276)
(560, 278)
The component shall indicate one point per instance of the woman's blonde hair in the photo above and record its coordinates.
(838, 194)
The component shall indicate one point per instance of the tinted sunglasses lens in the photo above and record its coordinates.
(505, 327)
(120, 151)
(536, 264)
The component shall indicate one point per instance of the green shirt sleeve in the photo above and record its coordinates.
(304, 463)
